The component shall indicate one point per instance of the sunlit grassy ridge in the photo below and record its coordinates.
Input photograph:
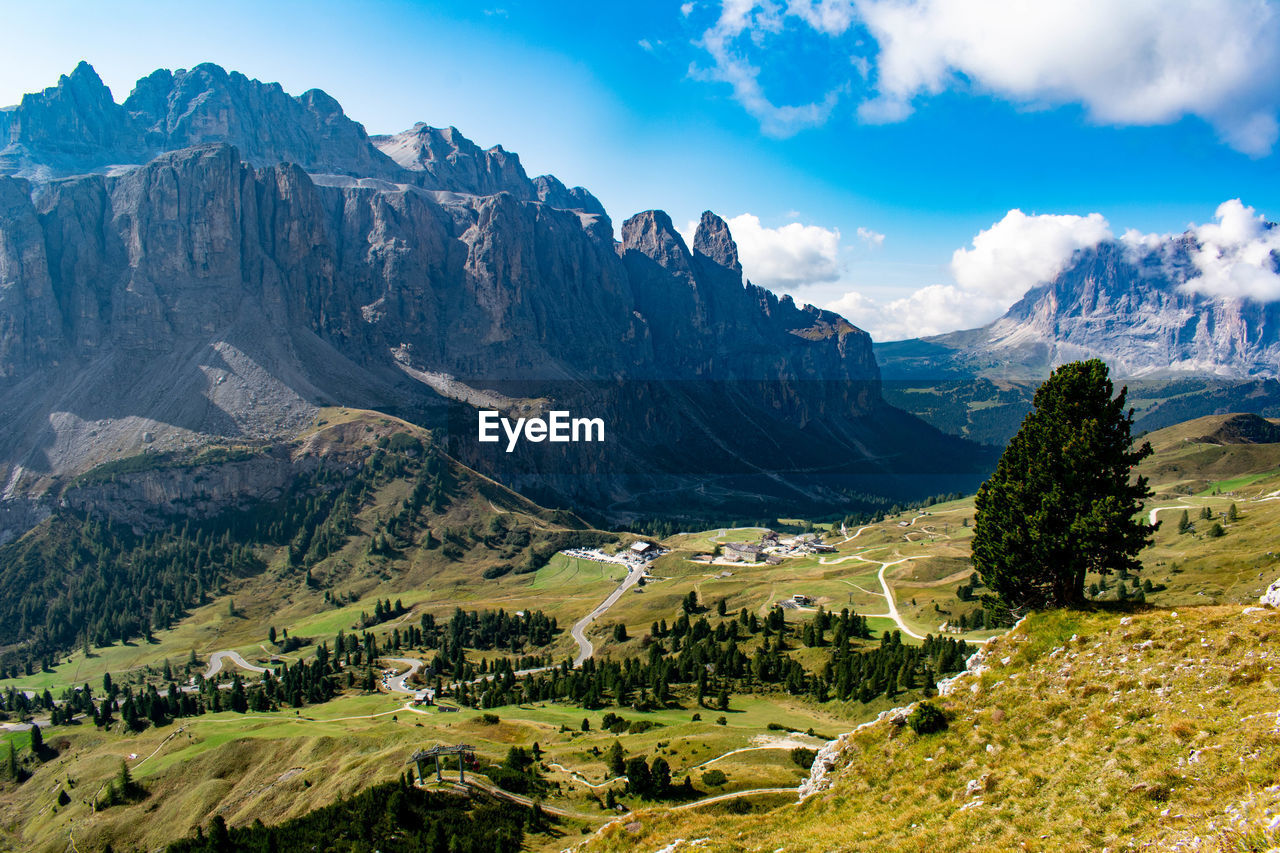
(1090, 730)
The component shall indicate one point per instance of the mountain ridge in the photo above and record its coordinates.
(211, 292)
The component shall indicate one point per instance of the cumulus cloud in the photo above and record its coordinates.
(1235, 256)
(928, 311)
(788, 257)
(1140, 62)
(1020, 251)
(1001, 264)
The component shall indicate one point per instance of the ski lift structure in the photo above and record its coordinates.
(466, 757)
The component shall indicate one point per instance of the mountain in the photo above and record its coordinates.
(1181, 354)
(215, 259)
(1117, 301)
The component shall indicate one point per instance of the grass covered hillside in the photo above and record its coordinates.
(1215, 453)
(306, 537)
(1155, 729)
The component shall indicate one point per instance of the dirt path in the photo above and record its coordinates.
(888, 593)
(732, 796)
(583, 779)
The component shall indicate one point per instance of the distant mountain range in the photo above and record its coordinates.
(1124, 304)
(214, 260)
(1181, 354)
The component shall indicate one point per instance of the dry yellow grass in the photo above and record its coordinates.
(1152, 731)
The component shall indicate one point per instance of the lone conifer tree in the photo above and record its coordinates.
(1061, 502)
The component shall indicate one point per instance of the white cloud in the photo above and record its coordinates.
(1000, 265)
(829, 17)
(928, 311)
(1020, 251)
(1234, 259)
(721, 41)
(686, 9)
(784, 258)
(1140, 62)
(874, 239)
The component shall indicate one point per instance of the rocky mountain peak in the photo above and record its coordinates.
(652, 234)
(66, 126)
(447, 160)
(1127, 304)
(552, 192)
(714, 241)
(267, 125)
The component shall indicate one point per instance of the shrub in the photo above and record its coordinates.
(926, 719)
(714, 778)
(804, 756)
(490, 719)
(496, 571)
(402, 442)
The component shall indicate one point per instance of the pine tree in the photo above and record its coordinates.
(37, 740)
(14, 772)
(1061, 503)
(1233, 514)
(617, 759)
(1184, 522)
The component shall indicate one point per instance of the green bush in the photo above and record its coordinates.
(496, 571)
(926, 719)
(714, 778)
(804, 756)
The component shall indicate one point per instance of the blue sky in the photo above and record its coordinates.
(921, 122)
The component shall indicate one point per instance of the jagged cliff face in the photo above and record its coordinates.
(263, 256)
(1123, 304)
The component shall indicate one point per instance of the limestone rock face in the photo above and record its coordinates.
(713, 241)
(263, 257)
(30, 331)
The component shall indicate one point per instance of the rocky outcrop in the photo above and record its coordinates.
(146, 500)
(30, 331)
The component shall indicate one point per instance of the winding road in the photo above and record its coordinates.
(399, 683)
(216, 659)
(888, 593)
(578, 632)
